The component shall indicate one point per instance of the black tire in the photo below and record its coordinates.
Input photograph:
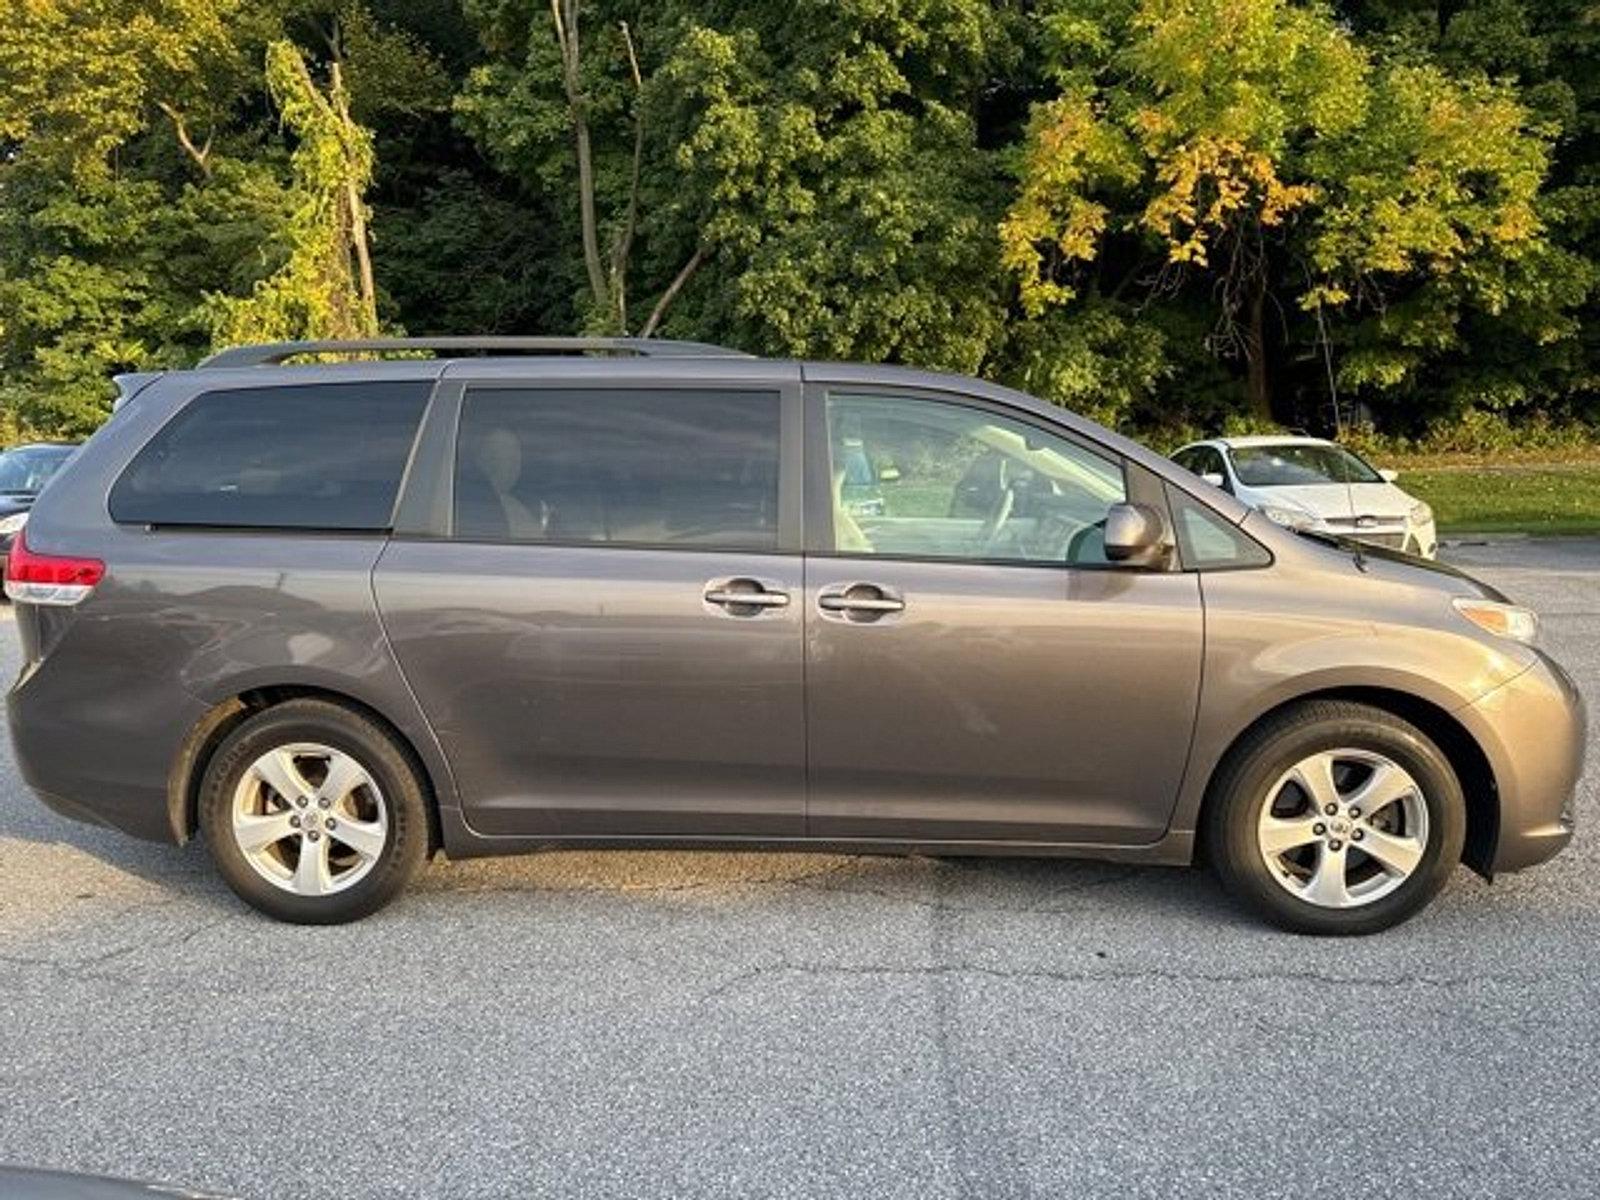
(405, 847)
(1241, 789)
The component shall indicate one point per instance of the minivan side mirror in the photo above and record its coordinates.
(1389, 474)
(1214, 478)
(1135, 534)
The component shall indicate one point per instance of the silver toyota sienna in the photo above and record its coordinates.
(531, 594)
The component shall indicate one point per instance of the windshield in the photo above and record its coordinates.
(29, 470)
(1290, 464)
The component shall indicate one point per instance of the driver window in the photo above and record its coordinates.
(916, 478)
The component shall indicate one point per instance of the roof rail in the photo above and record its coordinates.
(274, 353)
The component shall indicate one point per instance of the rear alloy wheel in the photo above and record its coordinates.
(1336, 818)
(309, 819)
(313, 813)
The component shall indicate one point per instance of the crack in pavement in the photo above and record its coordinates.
(83, 966)
(1044, 906)
(1120, 975)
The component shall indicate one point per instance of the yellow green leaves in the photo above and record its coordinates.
(325, 288)
(1440, 171)
(77, 76)
(1206, 186)
(1072, 155)
(1254, 140)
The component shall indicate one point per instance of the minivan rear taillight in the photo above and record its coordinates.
(49, 578)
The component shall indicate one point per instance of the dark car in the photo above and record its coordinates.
(24, 470)
(604, 593)
(22, 1183)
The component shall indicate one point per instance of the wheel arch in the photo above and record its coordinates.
(212, 729)
(1460, 748)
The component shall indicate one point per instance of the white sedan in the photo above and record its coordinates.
(1310, 483)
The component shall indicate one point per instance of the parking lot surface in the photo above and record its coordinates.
(676, 1024)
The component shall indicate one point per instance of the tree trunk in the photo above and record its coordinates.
(366, 284)
(667, 297)
(565, 15)
(1257, 385)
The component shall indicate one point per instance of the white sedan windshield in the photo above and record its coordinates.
(1292, 465)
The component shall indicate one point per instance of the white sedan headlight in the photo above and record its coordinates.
(13, 523)
(1289, 518)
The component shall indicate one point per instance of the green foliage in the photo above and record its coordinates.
(77, 76)
(1481, 434)
(1172, 215)
(843, 197)
(319, 291)
(1266, 158)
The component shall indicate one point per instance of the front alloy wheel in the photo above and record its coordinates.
(1332, 817)
(1343, 828)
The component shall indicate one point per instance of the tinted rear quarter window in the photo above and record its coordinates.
(314, 456)
(642, 467)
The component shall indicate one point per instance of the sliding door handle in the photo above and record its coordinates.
(745, 597)
(872, 604)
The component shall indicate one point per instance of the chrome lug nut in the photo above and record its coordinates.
(300, 802)
(1330, 809)
(1355, 814)
(313, 835)
(1355, 835)
(329, 822)
(1336, 844)
(294, 822)
(1319, 829)
(324, 802)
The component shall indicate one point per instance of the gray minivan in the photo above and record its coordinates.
(530, 594)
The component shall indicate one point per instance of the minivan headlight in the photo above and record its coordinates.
(13, 523)
(1504, 620)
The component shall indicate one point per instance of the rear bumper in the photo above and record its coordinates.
(1533, 729)
(97, 755)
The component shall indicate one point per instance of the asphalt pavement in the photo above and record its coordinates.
(676, 1024)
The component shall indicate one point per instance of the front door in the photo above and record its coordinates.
(608, 640)
(976, 668)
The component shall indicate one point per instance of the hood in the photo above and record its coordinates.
(1398, 564)
(1382, 500)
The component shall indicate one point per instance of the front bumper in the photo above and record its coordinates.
(1533, 730)
(1422, 540)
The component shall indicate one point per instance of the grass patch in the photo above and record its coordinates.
(1525, 498)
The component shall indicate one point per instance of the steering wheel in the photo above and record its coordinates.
(989, 531)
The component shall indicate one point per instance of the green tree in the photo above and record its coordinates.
(800, 178)
(1517, 357)
(116, 212)
(1251, 152)
(325, 287)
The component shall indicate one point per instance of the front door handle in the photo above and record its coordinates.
(745, 597)
(860, 601)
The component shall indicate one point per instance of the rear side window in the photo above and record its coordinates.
(638, 467)
(319, 456)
